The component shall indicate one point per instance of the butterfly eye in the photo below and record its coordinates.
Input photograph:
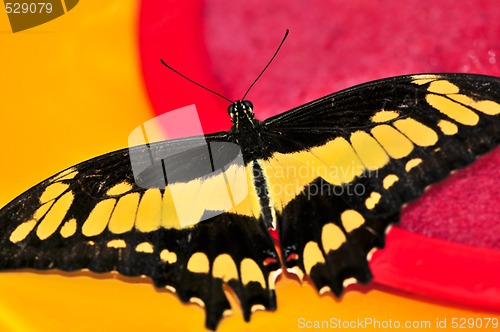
(231, 110)
(247, 104)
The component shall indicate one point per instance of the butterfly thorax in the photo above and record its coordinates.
(246, 130)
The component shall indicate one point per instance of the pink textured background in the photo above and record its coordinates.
(334, 45)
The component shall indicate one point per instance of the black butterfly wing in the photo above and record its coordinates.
(98, 216)
(343, 166)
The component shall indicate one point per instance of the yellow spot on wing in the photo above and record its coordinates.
(117, 244)
(389, 180)
(250, 271)
(148, 217)
(412, 163)
(40, 212)
(198, 263)
(395, 143)
(169, 217)
(332, 237)
(65, 175)
(54, 217)
(351, 219)
(419, 133)
(250, 205)
(297, 271)
(489, 107)
(423, 81)
(369, 151)
(53, 191)
(123, 217)
(384, 116)
(237, 182)
(203, 194)
(184, 204)
(443, 87)
(197, 301)
(145, 247)
(339, 163)
(168, 257)
(212, 194)
(453, 109)
(192, 198)
(257, 307)
(69, 228)
(224, 268)
(285, 183)
(324, 290)
(22, 231)
(349, 281)
(312, 256)
(119, 189)
(447, 127)
(98, 218)
(373, 200)
(288, 174)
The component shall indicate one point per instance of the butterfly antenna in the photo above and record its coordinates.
(190, 80)
(263, 70)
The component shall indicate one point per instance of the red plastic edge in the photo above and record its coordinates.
(439, 269)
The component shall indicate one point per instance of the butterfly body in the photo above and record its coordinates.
(247, 131)
(330, 176)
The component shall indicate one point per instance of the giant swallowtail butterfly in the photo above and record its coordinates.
(330, 176)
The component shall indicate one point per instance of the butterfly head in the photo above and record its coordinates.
(241, 110)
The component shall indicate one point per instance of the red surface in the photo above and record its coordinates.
(334, 45)
(451, 272)
(464, 208)
(177, 38)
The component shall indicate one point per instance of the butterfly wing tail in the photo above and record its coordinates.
(228, 249)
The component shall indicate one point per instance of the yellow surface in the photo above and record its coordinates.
(71, 90)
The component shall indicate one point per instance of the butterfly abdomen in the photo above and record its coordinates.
(262, 188)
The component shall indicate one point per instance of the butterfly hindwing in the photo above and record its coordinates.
(324, 238)
(231, 249)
